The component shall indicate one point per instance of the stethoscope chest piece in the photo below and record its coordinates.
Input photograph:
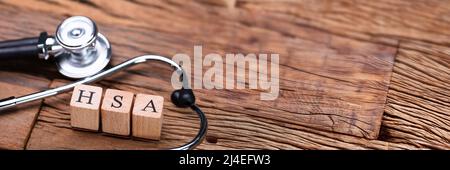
(86, 51)
(77, 47)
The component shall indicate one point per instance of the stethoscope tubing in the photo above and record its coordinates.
(4, 104)
(12, 101)
(201, 131)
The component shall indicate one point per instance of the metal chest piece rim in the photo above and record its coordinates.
(86, 51)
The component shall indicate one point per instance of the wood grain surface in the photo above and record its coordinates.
(336, 61)
(16, 124)
(418, 106)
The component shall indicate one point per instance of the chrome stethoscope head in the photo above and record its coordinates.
(78, 48)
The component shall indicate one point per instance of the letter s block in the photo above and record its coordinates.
(85, 107)
(116, 112)
(147, 116)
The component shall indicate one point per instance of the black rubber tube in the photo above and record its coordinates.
(22, 48)
(17, 52)
(21, 42)
(201, 134)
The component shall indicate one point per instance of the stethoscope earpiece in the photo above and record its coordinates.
(183, 98)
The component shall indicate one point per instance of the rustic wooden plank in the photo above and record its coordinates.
(341, 88)
(332, 83)
(383, 21)
(303, 28)
(418, 106)
(16, 123)
(227, 130)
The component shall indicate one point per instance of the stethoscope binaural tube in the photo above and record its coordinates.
(23, 48)
(77, 48)
(12, 101)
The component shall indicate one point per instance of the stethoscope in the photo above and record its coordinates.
(81, 52)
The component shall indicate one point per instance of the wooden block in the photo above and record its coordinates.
(85, 107)
(147, 116)
(116, 112)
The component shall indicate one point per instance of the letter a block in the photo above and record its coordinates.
(116, 112)
(85, 107)
(147, 116)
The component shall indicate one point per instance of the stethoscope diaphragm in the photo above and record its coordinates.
(78, 49)
(87, 52)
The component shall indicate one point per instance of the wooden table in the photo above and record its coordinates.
(353, 74)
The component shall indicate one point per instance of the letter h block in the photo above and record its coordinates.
(85, 107)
